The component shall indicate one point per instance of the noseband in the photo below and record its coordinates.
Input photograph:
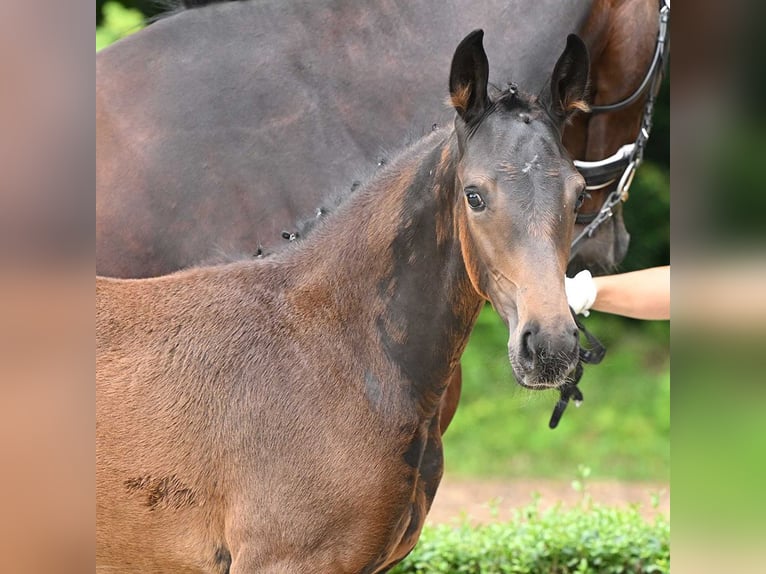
(621, 166)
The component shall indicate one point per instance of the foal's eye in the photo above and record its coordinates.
(581, 199)
(475, 201)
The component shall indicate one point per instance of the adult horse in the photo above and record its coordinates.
(221, 126)
(282, 414)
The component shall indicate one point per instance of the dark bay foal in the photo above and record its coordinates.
(282, 415)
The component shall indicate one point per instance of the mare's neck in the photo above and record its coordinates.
(392, 257)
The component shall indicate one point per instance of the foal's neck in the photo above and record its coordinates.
(394, 260)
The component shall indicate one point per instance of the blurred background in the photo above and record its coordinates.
(500, 431)
(621, 432)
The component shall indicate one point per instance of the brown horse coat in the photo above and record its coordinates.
(282, 414)
(221, 126)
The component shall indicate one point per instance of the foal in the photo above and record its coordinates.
(281, 415)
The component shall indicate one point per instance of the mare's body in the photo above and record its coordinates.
(221, 126)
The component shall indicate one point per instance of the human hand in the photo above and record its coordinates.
(581, 292)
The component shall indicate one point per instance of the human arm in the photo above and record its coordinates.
(643, 294)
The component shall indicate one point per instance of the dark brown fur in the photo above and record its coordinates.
(187, 167)
(284, 414)
(620, 35)
(155, 212)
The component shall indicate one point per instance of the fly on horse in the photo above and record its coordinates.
(220, 126)
(281, 414)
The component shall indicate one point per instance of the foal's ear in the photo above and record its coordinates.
(569, 81)
(468, 77)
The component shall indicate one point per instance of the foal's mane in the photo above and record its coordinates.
(372, 186)
(172, 7)
(310, 224)
(507, 100)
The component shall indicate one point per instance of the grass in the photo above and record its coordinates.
(621, 431)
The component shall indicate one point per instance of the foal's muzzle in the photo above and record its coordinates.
(542, 359)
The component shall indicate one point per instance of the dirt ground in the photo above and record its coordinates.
(475, 499)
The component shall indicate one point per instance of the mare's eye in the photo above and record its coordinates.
(475, 201)
(581, 199)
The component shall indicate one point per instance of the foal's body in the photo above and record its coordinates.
(282, 415)
(269, 320)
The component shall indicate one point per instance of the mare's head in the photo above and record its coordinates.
(516, 212)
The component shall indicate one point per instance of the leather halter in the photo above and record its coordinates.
(622, 165)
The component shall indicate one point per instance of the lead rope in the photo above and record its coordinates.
(592, 354)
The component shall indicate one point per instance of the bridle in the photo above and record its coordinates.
(621, 166)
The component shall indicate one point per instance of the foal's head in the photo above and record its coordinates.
(520, 194)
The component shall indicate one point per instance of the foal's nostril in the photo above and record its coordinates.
(529, 341)
(526, 345)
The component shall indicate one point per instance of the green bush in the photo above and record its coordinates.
(118, 23)
(591, 539)
(647, 217)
